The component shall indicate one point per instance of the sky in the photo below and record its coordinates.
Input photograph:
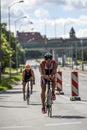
(53, 18)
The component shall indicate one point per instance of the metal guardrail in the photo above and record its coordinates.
(53, 47)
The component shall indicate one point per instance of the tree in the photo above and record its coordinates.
(10, 49)
(6, 50)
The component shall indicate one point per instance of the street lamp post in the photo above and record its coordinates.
(65, 31)
(16, 45)
(0, 39)
(82, 54)
(45, 36)
(55, 29)
(26, 24)
(45, 29)
(76, 54)
(72, 55)
(66, 52)
(9, 7)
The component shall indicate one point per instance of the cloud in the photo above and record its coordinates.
(35, 3)
(41, 13)
(45, 2)
(81, 33)
(67, 4)
(76, 4)
(49, 12)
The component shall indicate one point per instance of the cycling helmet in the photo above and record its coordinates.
(27, 66)
(48, 56)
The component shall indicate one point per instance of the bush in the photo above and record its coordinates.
(8, 83)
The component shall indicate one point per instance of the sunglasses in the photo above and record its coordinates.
(48, 59)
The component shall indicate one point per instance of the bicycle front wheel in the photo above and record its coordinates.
(28, 95)
(50, 111)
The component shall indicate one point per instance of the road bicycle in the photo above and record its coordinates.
(28, 93)
(48, 100)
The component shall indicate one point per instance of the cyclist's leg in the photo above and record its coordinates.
(31, 84)
(43, 90)
(23, 89)
(53, 90)
(53, 86)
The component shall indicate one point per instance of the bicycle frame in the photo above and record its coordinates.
(48, 101)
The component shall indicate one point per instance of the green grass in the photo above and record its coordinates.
(7, 82)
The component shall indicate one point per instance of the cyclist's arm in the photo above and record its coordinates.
(23, 73)
(33, 75)
(54, 71)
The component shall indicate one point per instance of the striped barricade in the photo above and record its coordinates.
(59, 82)
(74, 86)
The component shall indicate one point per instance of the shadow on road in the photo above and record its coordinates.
(34, 104)
(2, 106)
(13, 92)
(68, 117)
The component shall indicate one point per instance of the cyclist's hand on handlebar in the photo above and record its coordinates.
(48, 78)
(52, 77)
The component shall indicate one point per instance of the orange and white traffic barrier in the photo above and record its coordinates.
(59, 82)
(74, 86)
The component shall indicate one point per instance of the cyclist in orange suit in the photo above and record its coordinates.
(48, 69)
(27, 75)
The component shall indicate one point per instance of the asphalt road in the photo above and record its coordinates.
(15, 114)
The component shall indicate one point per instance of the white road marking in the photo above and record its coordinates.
(67, 123)
(13, 127)
(47, 125)
(65, 97)
(85, 75)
